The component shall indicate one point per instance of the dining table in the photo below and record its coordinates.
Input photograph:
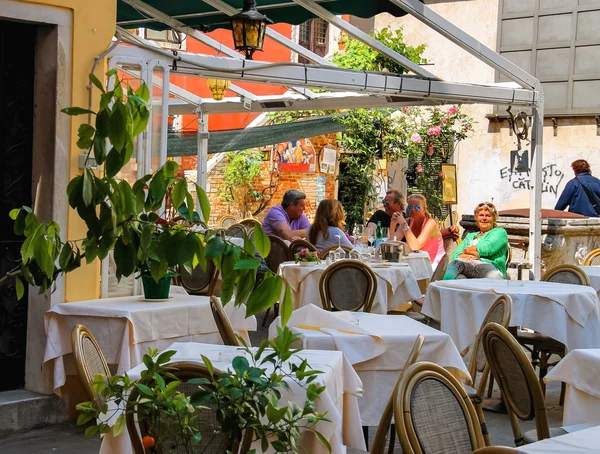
(126, 327)
(593, 273)
(338, 400)
(396, 284)
(580, 371)
(583, 441)
(567, 313)
(376, 345)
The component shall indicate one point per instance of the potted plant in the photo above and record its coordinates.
(245, 399)
(307, 258)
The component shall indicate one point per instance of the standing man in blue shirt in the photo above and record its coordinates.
(582, 193)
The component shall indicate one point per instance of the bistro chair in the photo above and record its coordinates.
(592, 259)
(280, 252)
(199, 281)
(90, 362)
(249, 223)
(348, 285)
(327, 250)
(385, 423)
(227, 221)
(213, 440)
(299, 244)
(235, 231)
(519, 386)
(433, 413)
(223, 323)
(540, 346)
(499, 313)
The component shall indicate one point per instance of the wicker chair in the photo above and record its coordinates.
(440, 270)
(519, 386)
(235, 231)
(297, 245)
(213, 440)
(329, 249)
(499, 313)
(385, 423)
(433, 413)
(249, 223)
(199, 281)
(223, 324)
(348, 285)
(540, 346)
(280, 252)
(592, 259)
(227, 221)
(89, 360)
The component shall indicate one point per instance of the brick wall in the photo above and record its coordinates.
(303, 181)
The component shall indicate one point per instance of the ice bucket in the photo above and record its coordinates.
(391, 251)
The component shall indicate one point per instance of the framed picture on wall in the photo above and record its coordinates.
(449, 191)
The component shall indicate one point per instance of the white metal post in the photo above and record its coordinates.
(535, 204)
(202, 150)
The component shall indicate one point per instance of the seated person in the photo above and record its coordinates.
(287, 221)
(328, 224)
(394, 202)
(483, 253)
(423, 233)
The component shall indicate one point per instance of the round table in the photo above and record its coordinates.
(420, 263)
(593, 273)
(567, 313)
(396, 285)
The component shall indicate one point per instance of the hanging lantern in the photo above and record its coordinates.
(218, 87)
(248, 29)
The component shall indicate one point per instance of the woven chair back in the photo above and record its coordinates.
(327, 250)
(89, 361)
(433, 413)
(249, 223)
(235, 231)
(199, 281)
(516, 378)
(280, 252)
(567, 274)
(348, 285)
(297, 245)
(227, 221)
(500, 313)
(440, 270)
(381, 435)
(213, 440)
(223, 323)
(592, 259)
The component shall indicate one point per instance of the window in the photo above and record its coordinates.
(558, 41)
(314, 35)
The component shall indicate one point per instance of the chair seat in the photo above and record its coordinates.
(355, 451)
(531, 435)
(540, 342)
(472, 393)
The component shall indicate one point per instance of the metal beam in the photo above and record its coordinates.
(535, 204)
(318, 10)
(467, 42)
(293, 46)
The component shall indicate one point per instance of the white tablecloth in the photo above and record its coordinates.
(396, 285)
(125, 327)
(339, 400)
(380, 374)
(580, 370)
(593, 273)
(567, 313)
(420, 263)
(582, 441)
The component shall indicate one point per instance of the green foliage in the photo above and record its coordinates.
(246, 398)
(357, 55)
(239, 177)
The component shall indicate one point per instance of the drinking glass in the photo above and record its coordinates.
(385, 233)
(358, 230)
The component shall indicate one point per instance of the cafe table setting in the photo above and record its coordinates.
(579, 442)
(126, 327)
(593, 273)
(338, 401)
(396, 284)
(376, 345)
(565, 312)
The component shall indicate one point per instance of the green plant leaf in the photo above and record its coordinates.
(117, 133)
(99, 149)
(114, 163)
(103, 123)
(72, 111)
(97, 83)
(287, 306)
(66, 254)
(91, 431)
(86, 136)
(119, 425)
(14, 213)
(261, 241)
(203, 202)
(179, 193)
(208, 364)
(143, 92)
(88, 186)
(240, 364)
(229, 277)
(247, 264)
(144, 389)
(125, 256)
(214, 248)
(264, 296)
(19, 288)
(323, 441)
(274, 415)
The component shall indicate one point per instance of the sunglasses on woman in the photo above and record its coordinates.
(413, 207)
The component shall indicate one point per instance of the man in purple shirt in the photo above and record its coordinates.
(287, 221)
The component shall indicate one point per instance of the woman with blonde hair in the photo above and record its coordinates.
(483, 253)
(422, 233)
(327, 226)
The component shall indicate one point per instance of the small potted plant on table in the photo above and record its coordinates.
(307, 258)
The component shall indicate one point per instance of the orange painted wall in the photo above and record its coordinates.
(272, 51)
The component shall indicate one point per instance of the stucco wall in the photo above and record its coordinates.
(483, 160)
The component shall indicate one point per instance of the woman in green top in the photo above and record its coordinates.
(481, 254)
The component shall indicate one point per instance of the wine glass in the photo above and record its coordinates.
(358, 231)
(370, 234)
(385, 233)
(339, 253)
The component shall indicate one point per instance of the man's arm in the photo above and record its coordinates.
(284, 231)
(565, 198)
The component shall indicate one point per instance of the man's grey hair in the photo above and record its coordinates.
(292, 197)
(398, 197)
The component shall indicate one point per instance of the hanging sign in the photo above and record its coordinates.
(294, 156)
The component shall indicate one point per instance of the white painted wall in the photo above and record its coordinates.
(483, 159)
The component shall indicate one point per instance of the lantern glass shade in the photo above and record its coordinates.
(249, 28)
(218, 87)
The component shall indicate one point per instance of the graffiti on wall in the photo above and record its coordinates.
(552, 177)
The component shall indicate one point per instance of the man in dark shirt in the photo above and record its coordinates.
(575, 196)
(393, 202)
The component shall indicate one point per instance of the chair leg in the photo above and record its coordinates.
(266, 316)
(482, 423)
(490, 387)
(563, 389)
(543, 370)
(392, 439)
(276, 310)
(366, 435)
(516, 428)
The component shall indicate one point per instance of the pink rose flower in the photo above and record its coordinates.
(419, 168)
(441, 175)
(416, 138)
(406, 108)
(434, 131)
(466, 127)
(444, 121)
(430, 149)
(452, 110)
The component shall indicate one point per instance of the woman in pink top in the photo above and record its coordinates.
(423, 233)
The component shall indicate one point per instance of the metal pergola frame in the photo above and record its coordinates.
(349, 89)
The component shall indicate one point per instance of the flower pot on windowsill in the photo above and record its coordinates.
(157, 290)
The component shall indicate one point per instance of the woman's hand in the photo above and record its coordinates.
(471, 250)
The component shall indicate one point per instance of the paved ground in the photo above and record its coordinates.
(69, 439)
